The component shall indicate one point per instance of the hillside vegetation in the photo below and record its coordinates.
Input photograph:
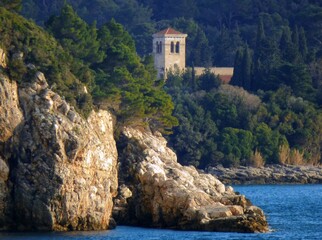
(271, 111)
(90, 67)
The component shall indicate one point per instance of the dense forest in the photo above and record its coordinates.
(271, 111)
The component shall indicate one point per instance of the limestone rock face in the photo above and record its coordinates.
(156, 191)
(10, 119)
(60, 168)
(3, 62)
(10, 113)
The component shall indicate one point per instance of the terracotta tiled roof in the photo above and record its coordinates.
(168, 31)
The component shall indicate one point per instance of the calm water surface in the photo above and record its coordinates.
(293, 212)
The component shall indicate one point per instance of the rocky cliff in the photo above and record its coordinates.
(156, 191)
(57, 170)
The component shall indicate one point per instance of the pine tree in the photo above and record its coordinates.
(76, 35)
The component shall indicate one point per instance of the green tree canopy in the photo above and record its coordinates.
(76, 35)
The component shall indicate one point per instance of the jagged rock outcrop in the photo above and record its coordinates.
(271, 174)
(156, 191)
(57, 170)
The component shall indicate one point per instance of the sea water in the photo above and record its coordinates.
(293, 212)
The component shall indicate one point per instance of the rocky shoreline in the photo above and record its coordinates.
(271, 174)
(156, 191)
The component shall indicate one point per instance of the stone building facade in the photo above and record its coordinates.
(169, 50)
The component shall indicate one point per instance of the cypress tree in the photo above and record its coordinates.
(266, 59)
(246, 69)
(295, 37)
(302, 44)
(237, 77)
(260, 36)
(288, 50)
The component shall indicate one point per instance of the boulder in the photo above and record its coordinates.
(168, 195)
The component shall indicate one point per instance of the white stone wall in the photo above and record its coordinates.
(215, 70)
(167, 60)
(175, 60)
(159, 58)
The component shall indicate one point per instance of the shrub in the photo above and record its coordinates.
(284, 154)
(256, 159)
(296, 157)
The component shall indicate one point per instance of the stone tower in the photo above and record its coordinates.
(169, 50)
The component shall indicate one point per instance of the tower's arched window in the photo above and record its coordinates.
(157, 47)
(172, 47)
(177, 47)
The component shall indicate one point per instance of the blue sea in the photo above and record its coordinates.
(293, 212)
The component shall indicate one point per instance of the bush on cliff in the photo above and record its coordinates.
(26, 43)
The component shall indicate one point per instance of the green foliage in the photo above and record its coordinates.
(227, 125)
(134, 16)
(17, 69)
(11, 4)
(198, 51)
(129, 85)
(34, 45)
(75, 35)
(237, 142)
(276, 64)
(195, 136)
(268, 142)
(243, 69)
(104, 60)
(277, 52)
(208, 80)
(226, 25)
